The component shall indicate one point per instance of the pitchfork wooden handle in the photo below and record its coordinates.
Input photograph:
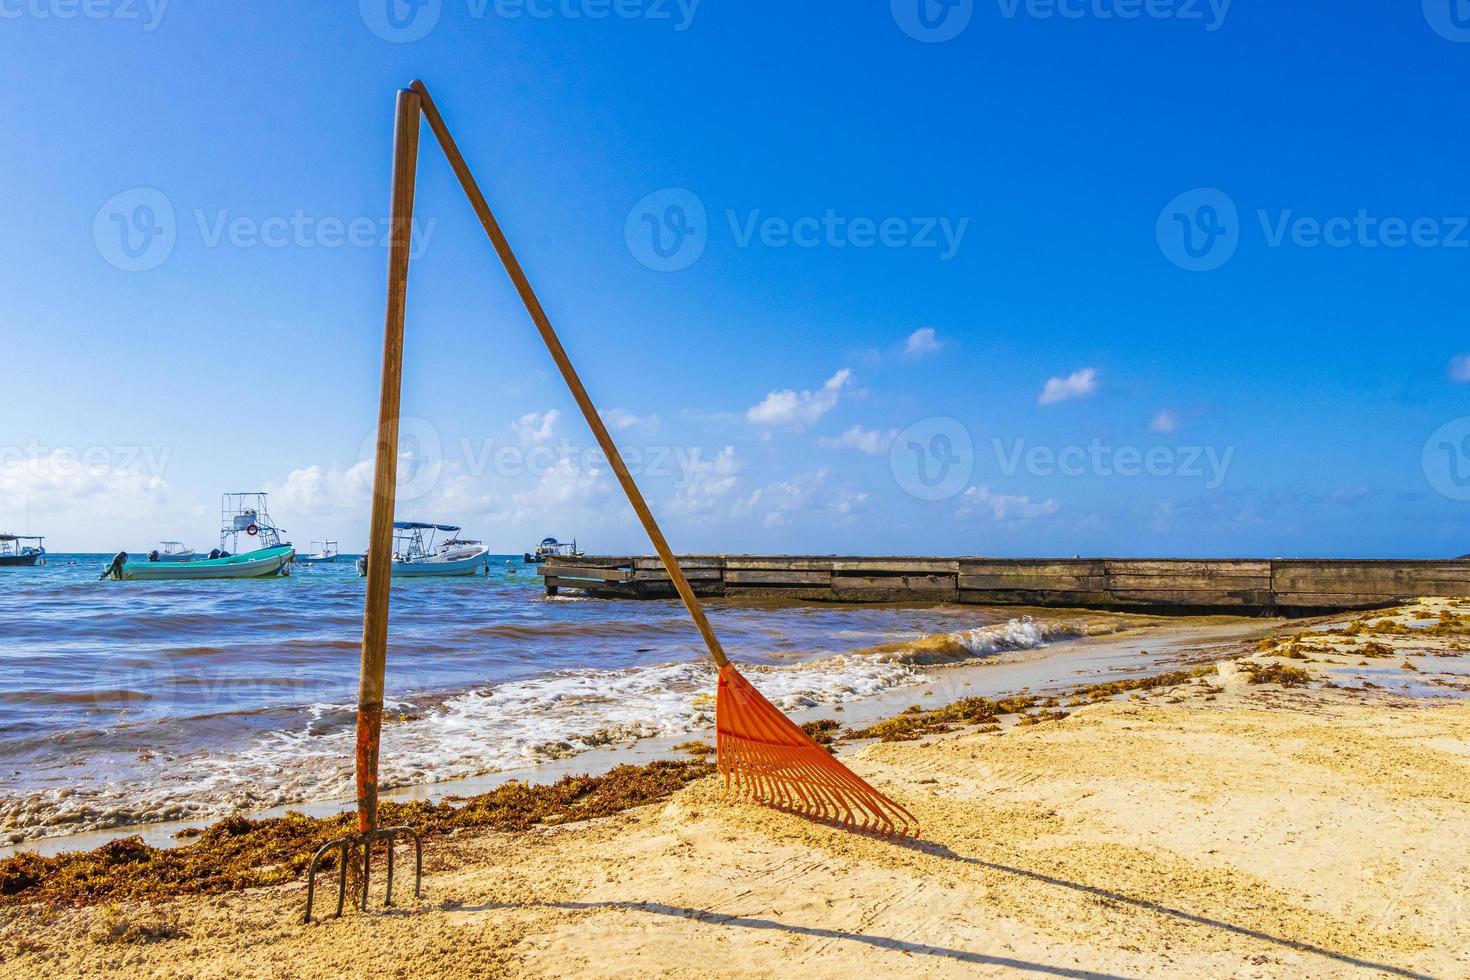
(568, 373)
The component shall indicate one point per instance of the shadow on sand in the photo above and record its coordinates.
(960, 955)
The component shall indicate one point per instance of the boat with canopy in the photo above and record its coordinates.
(15, 552)
(321, 551)
(416, 555)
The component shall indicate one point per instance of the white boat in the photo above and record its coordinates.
(416, 556)
(173, 551)
(240, 513)
(552, 548)
(327, 552)
(15, 554)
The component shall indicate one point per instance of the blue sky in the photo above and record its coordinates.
(1012, 278)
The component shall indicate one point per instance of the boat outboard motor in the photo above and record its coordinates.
(114, 570)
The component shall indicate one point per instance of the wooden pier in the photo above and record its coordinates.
(1232, 585)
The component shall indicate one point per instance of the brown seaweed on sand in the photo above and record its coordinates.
(239, 853)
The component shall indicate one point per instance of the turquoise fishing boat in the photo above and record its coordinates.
(240, 513)
(261, 563)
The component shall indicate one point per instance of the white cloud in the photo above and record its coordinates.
(1079, 384)
(535, 428)
(706, 483)
(315, 491)
(1165, 422)
(618, 419)
(1460, 368)
(777, 503)
(1004, 507)
(922, 342)
(1348, 495)
(874, 442)
(799, 409)
(328, 501)
(562, 487)
(102, 500)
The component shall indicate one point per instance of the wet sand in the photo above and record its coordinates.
(1217, 828)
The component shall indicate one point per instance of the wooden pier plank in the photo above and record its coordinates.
(1230, 584)
(772, 576)
(585, 572)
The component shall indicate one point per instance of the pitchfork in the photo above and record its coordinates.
(764, 756)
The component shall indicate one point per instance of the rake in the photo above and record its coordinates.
(763, 756)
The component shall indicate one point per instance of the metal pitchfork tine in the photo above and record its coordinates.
(345, 846)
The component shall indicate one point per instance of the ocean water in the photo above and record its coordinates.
(133, 702)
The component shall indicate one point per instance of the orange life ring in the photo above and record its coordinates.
(252, 530)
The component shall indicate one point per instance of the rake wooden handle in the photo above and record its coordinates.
(568, 373)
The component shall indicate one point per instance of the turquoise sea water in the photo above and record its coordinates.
(136, 701)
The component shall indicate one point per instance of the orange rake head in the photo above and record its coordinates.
(765, 758)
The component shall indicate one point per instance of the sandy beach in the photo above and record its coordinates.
(1311, 823)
